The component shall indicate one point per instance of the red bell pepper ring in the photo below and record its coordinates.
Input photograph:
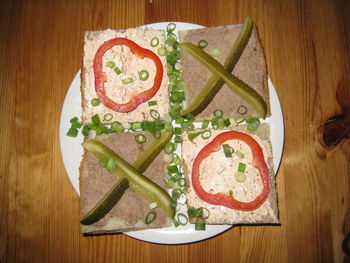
(100, 76)
(225, 199)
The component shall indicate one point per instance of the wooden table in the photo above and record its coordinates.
(307, 48)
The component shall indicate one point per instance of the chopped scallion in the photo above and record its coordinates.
(169, 148)
(253, 123)
(227, 150)
(140, 138)
(117, 70)
(110, 64)
(111, 165)
(206, 134)
(154, 114)
(202, 43)
(143, 74)
(127, 80)
(154, 42)
(150, 217)
(108, 117)
(170, 27)
(117, 127)
(182, 219)
(173, 169)
(95, 102)
(96, 119)
(239, 154)
(241, 167)
(162, 51)
(218, 113)
(205, 124)
(240, 177)
(192, 136)
(242, 109)
(152, 103)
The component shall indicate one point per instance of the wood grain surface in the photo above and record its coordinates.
(307, 48)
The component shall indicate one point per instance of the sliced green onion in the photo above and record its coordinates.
(150, 217)
(170, 27)
(152, 103)
(216, 52)
(178, 139)
(181, 182)
(168, 126)
(233, 122)
(154, 42)
(85, 130)
(200, 223)
(176, 159)
(239, 154)
(187, 126)
(127, 80)
(108, 117)
(117, 127)
(154, 114)
(202, 44)
(192, 136)
(117, 70)
(240, 177)
(143, 74)
(241, 167)
(173, 169)
(176, 194)
(194, 212)
(111, 165)
(227, 150)
(227, 122)
(169, 148)
(175, 222)
(182, 219)
(205, 124)
(178, 65)
(242, 109)
(140, 138)
(72, 132)
(230, 192)
(95, 102)
(170, 183)
(162, 51)
(253, 123)
(206, 134)
(218, 113)
(177, 130)
(110, 64)
(135, 126)
(96, 119)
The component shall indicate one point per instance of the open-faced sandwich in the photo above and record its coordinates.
(143, 92)
(230, 175)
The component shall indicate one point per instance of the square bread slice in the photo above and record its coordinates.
(130, 212)
(130, 65)
(217, 175)
(251, 68)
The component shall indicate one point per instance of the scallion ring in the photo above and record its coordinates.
(169, 148)
(182, 219)
(152, 103)
(143, 74)
(127, 80)
(95, 102)
(202, 43)
(205, 124)
(170, 27)
(218, 113)
(140, 138)
(108, 117)
(110, 64)
(154, 42)
(150, 217)
(206, 134)
(154, 114)
(242, 110)
(111, 165)
(162, 51)
(117, 70)
(117, 127)
(240, 177)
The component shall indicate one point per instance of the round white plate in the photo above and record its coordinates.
(72, 151)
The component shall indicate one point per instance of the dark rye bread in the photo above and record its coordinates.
(251, 68)
(131, 210)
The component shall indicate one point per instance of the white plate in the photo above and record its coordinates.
(72, 153)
